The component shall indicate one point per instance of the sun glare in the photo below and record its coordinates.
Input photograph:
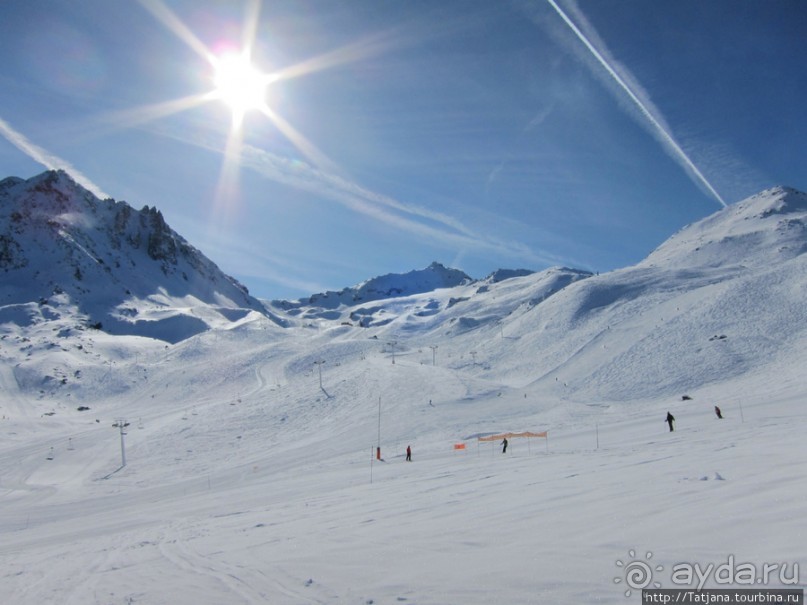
(239, 84)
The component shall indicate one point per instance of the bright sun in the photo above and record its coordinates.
(239, 84)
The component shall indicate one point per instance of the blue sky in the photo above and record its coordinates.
(516, 134)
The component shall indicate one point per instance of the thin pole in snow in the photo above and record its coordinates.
(742, 418)
(378, 445)
(597, 428)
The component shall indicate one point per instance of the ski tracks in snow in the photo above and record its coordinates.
(235, 581)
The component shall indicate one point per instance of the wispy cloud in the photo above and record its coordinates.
(534, 123)
(628, 85)
(48, 160)
(244, 258)
(435, 227)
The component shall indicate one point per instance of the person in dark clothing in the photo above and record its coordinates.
(670, 420)
(504, 446)
(718, 412)
(409, 453)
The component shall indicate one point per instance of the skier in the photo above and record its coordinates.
(409, 453)
(504, 446)
(718, 412)
(670, 419)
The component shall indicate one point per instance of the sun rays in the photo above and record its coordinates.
(241, 85)
(238, 82)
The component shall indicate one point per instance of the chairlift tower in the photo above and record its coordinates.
(121, 424)
(319, 363)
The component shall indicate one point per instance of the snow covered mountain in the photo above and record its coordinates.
(728, 291)
(392, 285)
(67, 255)
(764, 229)
(718, 290)
(251, 477)
(64, 251)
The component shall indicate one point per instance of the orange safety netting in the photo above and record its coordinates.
(501, 436)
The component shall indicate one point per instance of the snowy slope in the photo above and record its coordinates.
(115, 266)
(250, 477)
(764, 229)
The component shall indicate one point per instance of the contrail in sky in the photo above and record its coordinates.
(665, 135)
(419, 220)
(48, 160)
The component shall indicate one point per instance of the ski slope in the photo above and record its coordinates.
(264, 489)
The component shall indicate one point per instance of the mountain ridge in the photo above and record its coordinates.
(725, 293)
(56, 237)
(741, 232)
(126, 270)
